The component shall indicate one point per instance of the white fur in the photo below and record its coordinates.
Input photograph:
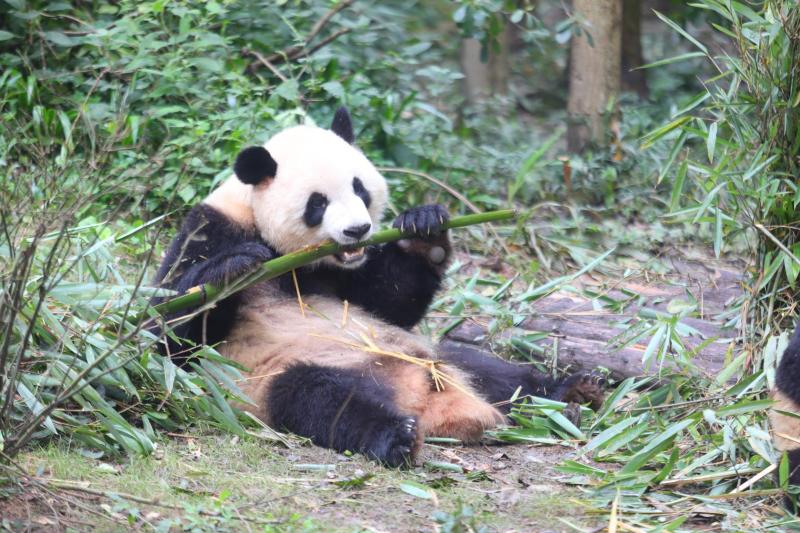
(309, 159)
(233, 199)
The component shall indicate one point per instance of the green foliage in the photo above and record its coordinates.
(735, 146)
(71, 361)
(664, 449)
(461, 520)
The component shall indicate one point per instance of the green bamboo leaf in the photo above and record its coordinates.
(170, 371)
(656, 445)
(718, 229)
(417, 490)
(530, 163)
(744, 406)
(707, 201)
(783, 471)
(674, 59)
(622, 390)
(681, 31)
(654, 347)
(564, 423)
(649, 139)
(711, 141)
(623, 439)
(551, 286)
(671, 159)
(573, 467)
(35, 406)
(668, 467)
(599, 440)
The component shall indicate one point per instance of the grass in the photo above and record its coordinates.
(218, 480)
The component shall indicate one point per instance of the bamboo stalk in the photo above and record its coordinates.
(271, 269)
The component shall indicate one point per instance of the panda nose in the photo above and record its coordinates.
(357, 232)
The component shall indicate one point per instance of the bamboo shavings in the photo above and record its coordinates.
(439, 377)
(299, 296)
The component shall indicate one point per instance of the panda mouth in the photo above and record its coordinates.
(348, 257)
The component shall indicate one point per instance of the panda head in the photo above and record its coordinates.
(311, 185)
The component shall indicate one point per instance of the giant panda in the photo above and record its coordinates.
(785, 412)
(317, 344)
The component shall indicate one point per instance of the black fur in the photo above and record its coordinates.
(422, 221)
(209, 248)
(342, 125)
(395, 285)
(497, 379)
(787, 375)
(344, 410)
(315, 209)
(361, 192)
(253, 165)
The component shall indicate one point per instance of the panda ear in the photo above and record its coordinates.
(254, 165)
(342, 125)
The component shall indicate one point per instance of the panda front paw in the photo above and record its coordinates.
(425, 221)
(426, 236)
(395, 443)
(234, 262)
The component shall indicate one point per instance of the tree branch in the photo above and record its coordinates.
(293, 52)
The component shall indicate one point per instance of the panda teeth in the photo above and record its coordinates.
(350, 256)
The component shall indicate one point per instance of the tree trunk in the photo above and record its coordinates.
(483, 79)
(477, 74)
(499, 62)
(594, 70)
(632, 80)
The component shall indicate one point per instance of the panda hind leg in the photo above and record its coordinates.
(497, 379)
(342, 409)
(458, 414)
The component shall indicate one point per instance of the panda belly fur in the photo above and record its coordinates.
(272, 336)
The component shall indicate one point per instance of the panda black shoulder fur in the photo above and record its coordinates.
(320, 373)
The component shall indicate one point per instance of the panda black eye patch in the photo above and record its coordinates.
(315, 209)
(361, 192)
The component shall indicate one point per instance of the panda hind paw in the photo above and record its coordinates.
(583, 388)
(396, 444)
